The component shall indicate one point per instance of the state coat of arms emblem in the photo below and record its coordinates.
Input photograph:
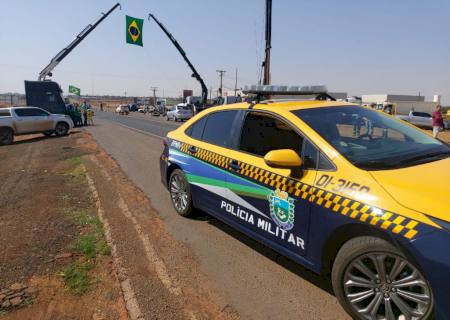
(282, 209)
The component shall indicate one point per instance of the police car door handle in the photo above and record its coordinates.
(234, 165)
(192, 149)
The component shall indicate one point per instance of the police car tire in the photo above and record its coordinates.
(351, 250)
(187, 212)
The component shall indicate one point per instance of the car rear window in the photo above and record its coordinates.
(213, 128)
(5, 113)
(195, 131)
(217, 128)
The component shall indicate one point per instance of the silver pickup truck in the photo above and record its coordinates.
(421, 119)
(24, 120)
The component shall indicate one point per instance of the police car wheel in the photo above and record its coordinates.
(180, 193)
(374, 280)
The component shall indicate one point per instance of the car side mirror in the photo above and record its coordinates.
(283, 158)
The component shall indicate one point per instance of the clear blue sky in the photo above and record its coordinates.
(383, 46)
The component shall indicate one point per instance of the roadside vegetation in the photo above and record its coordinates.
(90, 244)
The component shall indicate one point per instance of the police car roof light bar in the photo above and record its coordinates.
(263, 91)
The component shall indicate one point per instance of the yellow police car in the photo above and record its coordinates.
(338, 188)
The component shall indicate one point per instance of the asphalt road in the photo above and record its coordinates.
(253, 279)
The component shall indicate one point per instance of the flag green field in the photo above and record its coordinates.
(134, 30)
(74, 90)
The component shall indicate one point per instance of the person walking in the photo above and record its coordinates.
(101, 106)
(438, 121)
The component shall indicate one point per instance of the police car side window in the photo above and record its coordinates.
(218, 128)
(309, 155)
(195, 131)
(325, 164)
(262, 133)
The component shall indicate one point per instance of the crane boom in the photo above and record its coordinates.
(195, 74)
(47, 71)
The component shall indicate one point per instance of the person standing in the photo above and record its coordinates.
(101, 106)
(77, 114)
(84, 109)
(438, 121)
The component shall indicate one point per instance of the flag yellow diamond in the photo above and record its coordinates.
(134, 31)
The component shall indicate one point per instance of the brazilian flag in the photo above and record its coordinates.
(134, 30)
(74, 90)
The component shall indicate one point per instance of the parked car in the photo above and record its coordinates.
(123, 109)
(24, 120)
(421, 119)
(143, 109)
(180, 112)
(370, 210)
(133, 107)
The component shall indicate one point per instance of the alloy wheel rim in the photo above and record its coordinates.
(178, 192)
(386, 286)
(60, 129)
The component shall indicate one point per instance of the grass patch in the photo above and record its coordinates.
(86, 244)
(93, 242)
(78, 173)
(76, 161)
(76, 277)
(103, 248)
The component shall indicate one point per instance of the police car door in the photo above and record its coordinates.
(269, 203)
(205, 165)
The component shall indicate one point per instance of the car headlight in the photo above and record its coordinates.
(443, 224)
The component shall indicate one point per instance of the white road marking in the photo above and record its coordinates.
(134, 312)
(152, 256)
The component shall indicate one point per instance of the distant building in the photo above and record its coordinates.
(402, 104)
(382, 98)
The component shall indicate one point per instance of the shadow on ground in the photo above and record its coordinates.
(322, 282)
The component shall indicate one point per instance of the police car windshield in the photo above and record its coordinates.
(372, 140)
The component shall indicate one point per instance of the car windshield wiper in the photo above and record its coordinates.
(426, 157)
(391, 163)
(376, 164)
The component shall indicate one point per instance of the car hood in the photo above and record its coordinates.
(424, 188)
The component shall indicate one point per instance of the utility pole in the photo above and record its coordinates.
(235, 84)
(154, 89)
(266, 63)
(221, 72)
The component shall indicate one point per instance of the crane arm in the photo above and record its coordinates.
(47, 71)
(195, 74)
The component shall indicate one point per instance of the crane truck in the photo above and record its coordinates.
(46, 94)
